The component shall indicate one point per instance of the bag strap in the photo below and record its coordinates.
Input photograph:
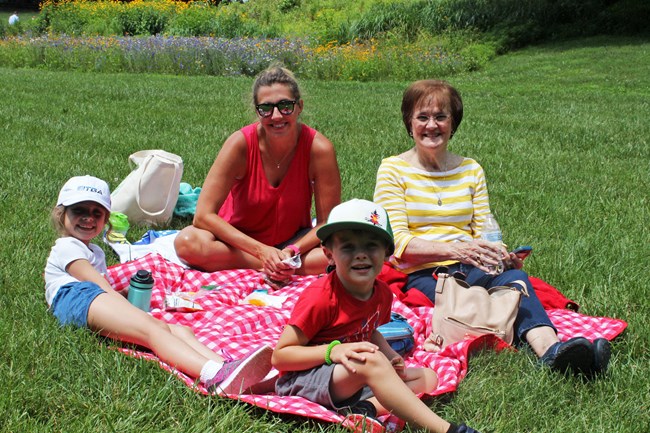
(137, 158)
(523, 289)
(444, 278)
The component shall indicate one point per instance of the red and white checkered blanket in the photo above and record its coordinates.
(233, 329)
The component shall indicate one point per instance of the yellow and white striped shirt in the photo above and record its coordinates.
(411, 195)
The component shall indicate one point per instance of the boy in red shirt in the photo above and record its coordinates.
(331, 353)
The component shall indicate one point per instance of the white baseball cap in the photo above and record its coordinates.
(85, 188)
(358, 214)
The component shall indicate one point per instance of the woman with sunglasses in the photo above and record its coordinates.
(437, 202)
(254, 210)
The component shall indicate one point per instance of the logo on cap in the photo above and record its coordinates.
(90, 189)
(374, 218)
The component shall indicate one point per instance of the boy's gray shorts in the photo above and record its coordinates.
(314, 385)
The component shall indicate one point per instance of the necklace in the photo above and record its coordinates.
(442, 168)
(279, 163)
(437, 193)
(437, 190)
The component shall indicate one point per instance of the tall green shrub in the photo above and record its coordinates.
(512, 22)
(382, 18)
(193, 21)
(144, 19)
(67, 18)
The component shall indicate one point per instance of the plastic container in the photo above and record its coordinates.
(492, 233)
(140, 290)
(261, 298)
(119, 228)
(119, 222)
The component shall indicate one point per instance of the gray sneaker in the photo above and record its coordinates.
(236, 377)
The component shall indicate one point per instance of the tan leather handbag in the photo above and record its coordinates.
(463, 312)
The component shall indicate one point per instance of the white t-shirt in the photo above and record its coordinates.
(65, 251)
(13, 19)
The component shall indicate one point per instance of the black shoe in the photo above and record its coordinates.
(463, 428)
(602, 352)
(362, 407)
(576, 354)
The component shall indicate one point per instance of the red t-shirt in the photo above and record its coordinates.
(326, 312)
(269, 214)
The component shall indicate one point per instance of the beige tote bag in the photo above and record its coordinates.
(149, 193)
(463, 312)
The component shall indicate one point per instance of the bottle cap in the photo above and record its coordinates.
(119, 222)
(142, 279)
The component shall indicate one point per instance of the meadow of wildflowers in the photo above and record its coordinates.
(366, 40)
(171, 37)
(224, 57)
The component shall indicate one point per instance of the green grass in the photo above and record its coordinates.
(561, 130)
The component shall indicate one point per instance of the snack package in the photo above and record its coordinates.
(295, 262)
(183, 302)
(261, 298)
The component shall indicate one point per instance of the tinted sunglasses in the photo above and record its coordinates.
(284, 107)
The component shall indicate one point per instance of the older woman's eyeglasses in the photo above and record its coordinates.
(438, 118)
(285, 108)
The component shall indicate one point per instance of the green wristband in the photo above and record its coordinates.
(330, 346)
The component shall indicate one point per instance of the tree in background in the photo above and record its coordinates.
(20, 4)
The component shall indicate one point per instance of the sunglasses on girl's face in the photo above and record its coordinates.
(284, 107)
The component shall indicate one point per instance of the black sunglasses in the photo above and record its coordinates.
(284, 107)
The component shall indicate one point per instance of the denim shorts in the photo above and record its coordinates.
(314, 385)
(72, 302)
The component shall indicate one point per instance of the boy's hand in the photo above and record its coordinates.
(398, 364)
(343, 353)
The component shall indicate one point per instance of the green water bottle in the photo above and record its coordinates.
(140, 290)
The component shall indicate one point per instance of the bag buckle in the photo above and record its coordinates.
(439, 270)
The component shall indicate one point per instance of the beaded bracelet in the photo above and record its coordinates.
(330, 346)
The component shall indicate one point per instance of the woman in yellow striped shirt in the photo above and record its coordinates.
(437, 202)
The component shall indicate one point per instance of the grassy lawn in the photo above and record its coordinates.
(562, 131)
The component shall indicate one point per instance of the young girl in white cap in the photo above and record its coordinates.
(79, 295)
